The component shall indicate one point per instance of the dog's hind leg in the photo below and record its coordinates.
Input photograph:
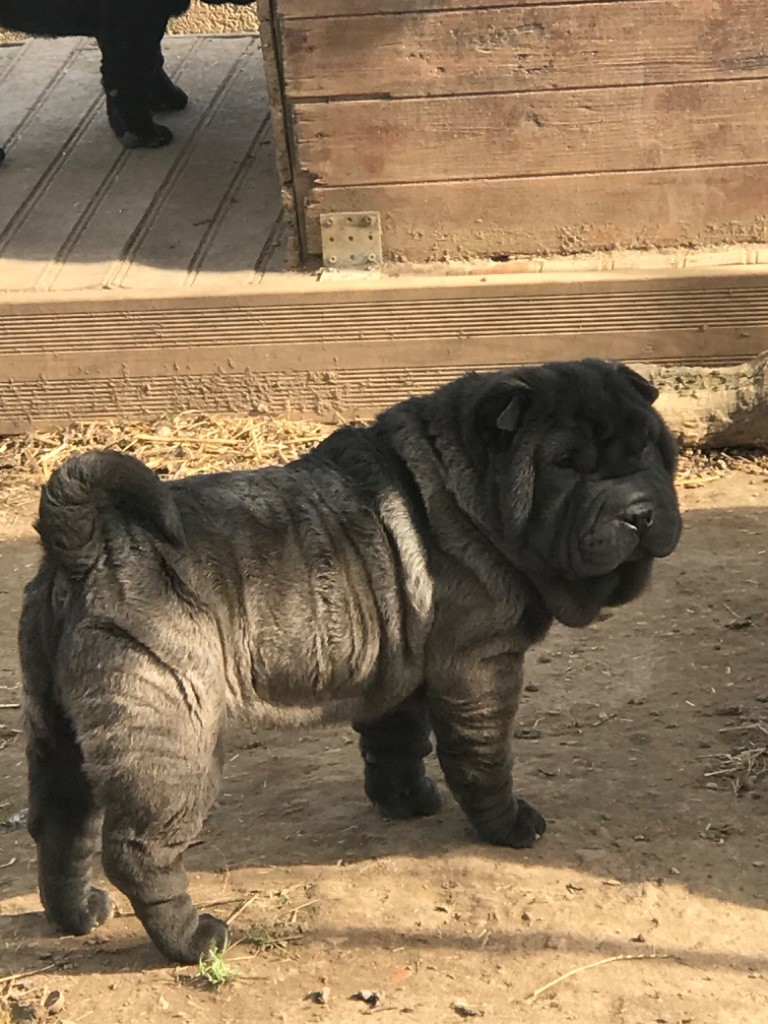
(64, 822)
(147, 828)
(393, 748)
(63, 816)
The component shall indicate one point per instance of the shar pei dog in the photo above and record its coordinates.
(129, 34)
(396, 574)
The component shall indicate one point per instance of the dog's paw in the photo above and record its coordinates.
(520, 829)
(418, 801)
(83, 918)
(166, 97)
(100, 907)
(210, 936)
(160, 136)
(132, 123)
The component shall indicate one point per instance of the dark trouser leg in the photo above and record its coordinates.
(472, 707)
(394, 748)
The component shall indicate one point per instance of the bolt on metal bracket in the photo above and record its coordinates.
(351, 241)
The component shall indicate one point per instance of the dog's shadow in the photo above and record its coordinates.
(131, 952)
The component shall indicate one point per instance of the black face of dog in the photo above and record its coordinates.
(582, 470)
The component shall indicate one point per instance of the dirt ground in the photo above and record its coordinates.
(651, 881)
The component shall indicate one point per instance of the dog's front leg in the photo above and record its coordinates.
(394, 747)
(165, 95)
(473, 697)
(130, 34)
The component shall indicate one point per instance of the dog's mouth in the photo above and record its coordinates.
(636, 535)
(616, 542)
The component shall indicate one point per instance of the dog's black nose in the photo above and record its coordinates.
(639, 515)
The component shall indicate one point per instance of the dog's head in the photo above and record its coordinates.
(576, 472)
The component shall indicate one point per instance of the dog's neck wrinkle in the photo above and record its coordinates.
(486, 559)
(413, 463)
(446, 466)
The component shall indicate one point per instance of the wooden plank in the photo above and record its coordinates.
(188, 216)
(240, 237)
(44, 97)
(390, 352)
(274, 75)
(281, 132)
(29, 72)
(336, 348)
(9, 54)
(287, 9)
(33, 253)
(294, 316)
(281, 254)
(464, 137)
(118, 214)
(523, 48)
(536, 216)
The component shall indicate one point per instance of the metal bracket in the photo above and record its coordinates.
(351, 241)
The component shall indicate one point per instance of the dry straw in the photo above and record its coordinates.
(194, 442)
(189, 442)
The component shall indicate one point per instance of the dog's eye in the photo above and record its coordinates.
(640, 444)
(579, 460)
(565, 461)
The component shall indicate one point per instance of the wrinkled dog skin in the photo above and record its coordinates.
(395, 574)
(129, 34)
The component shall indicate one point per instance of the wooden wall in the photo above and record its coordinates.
(485, 127)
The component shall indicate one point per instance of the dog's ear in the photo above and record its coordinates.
(499, 410)
(644, 388)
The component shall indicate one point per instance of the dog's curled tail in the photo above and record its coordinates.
(86, 488)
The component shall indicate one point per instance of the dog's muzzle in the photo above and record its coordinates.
(639, 516)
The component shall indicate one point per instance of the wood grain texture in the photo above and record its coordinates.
(50, 93)
(586, 130)
(457, 322)
(273, 71)
(343, 350)
(8, 56)
(566, 45)
(218, 152)
(288, 9)
(44, 244)
(568, 214)
(79, 212)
